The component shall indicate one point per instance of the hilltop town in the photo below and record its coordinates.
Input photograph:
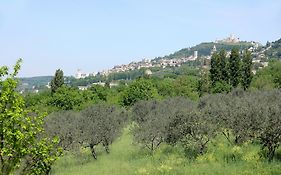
(193, 55)
(199, 56)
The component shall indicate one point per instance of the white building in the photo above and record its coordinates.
(79, 74)
(195, 54)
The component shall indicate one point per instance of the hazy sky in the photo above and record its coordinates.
(97, 34)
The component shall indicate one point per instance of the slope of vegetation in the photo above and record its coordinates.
(205, 49)
(274, 51)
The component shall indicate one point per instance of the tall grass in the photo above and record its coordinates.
(126, 158)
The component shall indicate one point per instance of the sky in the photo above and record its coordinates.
(94, 35)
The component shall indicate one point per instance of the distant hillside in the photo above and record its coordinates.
(205, 49)
(269, 51)
(31, 83)
(273, 49)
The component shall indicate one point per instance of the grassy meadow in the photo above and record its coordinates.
(127, 158)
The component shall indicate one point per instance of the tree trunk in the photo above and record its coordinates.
(106, 147)
(92, 147)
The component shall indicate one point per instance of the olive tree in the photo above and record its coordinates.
(151, 124)
(66, 125)
(101, 124)
(153, 120)
(247, 116)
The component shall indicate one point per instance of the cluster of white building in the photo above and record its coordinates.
(79, 74)
(230, 39)
(147, 63)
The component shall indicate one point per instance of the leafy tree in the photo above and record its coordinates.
(66, 98)
(246, 70)
(234, 68)
(23, 149)
(165, 87)
(100, 91)
(219, 72)
(186, 86)
(57, 81)
(140, 89)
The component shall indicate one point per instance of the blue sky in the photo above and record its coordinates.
(95, 35)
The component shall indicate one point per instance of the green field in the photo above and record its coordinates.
(127, 158)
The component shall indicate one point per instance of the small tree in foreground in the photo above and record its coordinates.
(23, 150)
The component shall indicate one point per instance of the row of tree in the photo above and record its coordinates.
(228, 72)
(239, 116)
(96, 125)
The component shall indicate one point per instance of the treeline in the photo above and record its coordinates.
(227, 73)
(64, 97)
(204, 49)
(158, 72)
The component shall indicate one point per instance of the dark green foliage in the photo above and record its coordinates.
(234, 67)
(100, 91)
(246, 70)
(57, 81)
(223, 66)
(219, 72)
(214, 70)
